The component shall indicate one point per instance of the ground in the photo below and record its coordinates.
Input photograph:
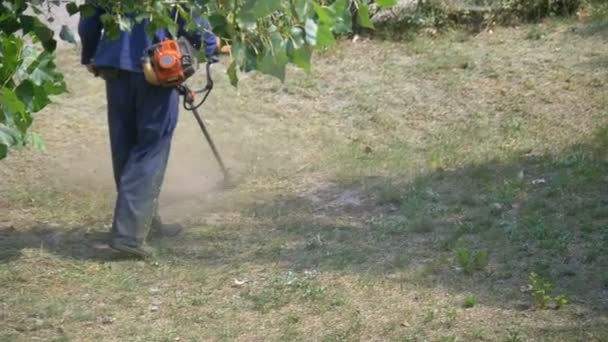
(401, 192)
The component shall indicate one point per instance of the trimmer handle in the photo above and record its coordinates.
(209, 85)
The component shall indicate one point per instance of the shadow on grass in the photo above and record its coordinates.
(73, 243)
(534, 213)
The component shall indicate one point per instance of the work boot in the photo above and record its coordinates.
(160, 229)
(136, 251)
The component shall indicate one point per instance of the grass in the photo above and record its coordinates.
(357, 185)
(470, 301)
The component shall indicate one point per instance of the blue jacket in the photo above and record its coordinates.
(126, 51)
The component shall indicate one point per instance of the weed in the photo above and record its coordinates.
(429, 316)
(470, 301)
(541, 293)
(560, 301)
(514, 336)
(471, 261)
(535, 33)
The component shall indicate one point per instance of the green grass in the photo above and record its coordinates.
(470, 301)
(363, 189)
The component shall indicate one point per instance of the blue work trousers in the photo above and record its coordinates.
(141, 118)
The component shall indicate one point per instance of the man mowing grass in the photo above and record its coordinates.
(141, 119)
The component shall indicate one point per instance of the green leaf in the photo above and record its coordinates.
(125, 23)
(36, 142)
(232, 75)
(262, 8)
(253, 10)
(301, 56)
(172, 27)
(8, 136)
(244, 55)
(41, 31)
(23, 122)
(386, 3)
(238, 53)
(111, 29)
(34, 97)
(326, 14)
(303, 8)
(363, 16)
(43, 72)
(297, 37)
(55, 88)
(325, 37)
(87, 10)
(190, 25)
(274, 60)
(340, 6)
(247, 21)
(343, 17)
(220, 25)
(311, 30)
(3, 151)
(9, 24)
(10, 51)
(72, 8)
(10, 101)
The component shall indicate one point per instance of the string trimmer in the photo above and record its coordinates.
(169, 64)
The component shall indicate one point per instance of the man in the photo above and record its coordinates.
(141, 119)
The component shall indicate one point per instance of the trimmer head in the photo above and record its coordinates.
(229, 182)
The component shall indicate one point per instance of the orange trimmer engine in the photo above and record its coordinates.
(169, 63)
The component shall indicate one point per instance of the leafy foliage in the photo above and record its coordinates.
(471, 261)
(265, 35)
(541, 293)
(470, 301)
(28, 75)
(431, 16)
(533, 10)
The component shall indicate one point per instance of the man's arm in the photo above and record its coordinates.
(89, 30)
